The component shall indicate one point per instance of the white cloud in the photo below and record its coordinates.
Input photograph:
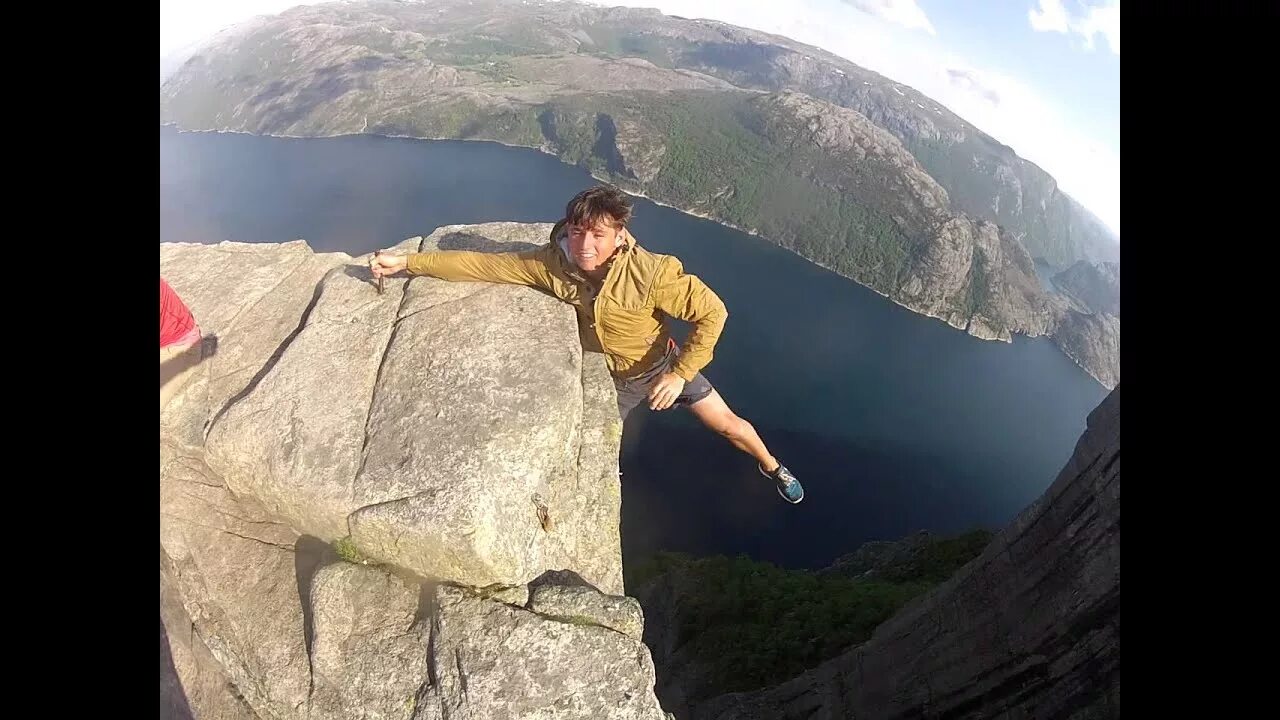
(186, 22)
(1103, 19)
(900, 12)
(1052, 17)
(968, 81)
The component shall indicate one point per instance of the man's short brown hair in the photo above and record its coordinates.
(602, 202)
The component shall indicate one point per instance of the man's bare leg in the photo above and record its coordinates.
(715, 414)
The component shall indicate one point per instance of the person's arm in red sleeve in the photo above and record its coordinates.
(176, 321)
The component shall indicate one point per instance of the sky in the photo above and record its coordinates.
(1041, 76)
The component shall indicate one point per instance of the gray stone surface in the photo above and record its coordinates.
(577, 603)
(368, 658)
(247, 299)
(231, 569)
(427, 424)
(497, 662)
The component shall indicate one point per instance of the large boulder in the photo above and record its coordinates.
(456, 430)
(371, 642)
(499, 662)
(578, 602)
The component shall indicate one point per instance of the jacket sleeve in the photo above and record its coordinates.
(519, 268)
(688, 298)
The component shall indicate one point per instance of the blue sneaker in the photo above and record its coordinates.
(788, 486)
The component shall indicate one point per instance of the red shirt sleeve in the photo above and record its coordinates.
(175, 319)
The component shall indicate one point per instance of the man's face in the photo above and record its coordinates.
(590, 247)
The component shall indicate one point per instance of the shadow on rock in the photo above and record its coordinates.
(561, 577)
(173, 699)
(480, 243)
(310, 554)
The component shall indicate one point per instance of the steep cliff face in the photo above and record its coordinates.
(1031, 628)
(390, 505)
(1093, 341)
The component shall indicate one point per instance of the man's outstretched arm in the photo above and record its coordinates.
(518, 268)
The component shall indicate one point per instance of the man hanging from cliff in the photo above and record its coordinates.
(623, 295)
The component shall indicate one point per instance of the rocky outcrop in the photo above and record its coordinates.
(1095, 287)
(426, 424)
(1093, 341)
(978, 279)
(574, 603)
(264, 623)
(499, 662)
(260, 295)
(228, 583)
(642, 158)
(1031, 628)
(357, 490)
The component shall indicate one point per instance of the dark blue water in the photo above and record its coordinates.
(893, 421)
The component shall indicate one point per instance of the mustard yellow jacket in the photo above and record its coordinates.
(626, 320)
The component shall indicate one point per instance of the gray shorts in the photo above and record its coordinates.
(635, 391)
